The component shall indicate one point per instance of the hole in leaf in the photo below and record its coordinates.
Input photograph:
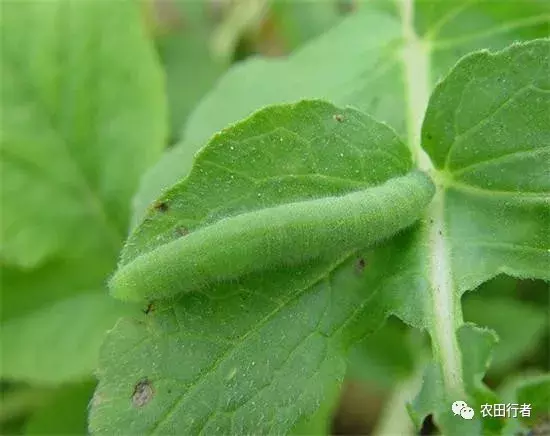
(339, 118)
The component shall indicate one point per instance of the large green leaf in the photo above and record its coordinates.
(492, 151)
(367, 61)
(82, 117)
(73, 119)
(483, 124)
(281, 326)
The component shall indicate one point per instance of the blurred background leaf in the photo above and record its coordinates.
(182, 33)
(83, 115)
(65, 414)
(69, 127)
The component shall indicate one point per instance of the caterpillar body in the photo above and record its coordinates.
(273, 237)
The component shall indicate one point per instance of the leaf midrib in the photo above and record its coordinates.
(443, 308)
(241, 340)
(479, 191)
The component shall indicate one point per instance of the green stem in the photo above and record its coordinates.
(444, 308)
(395, 419)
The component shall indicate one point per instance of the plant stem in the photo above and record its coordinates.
(395, 419)
(445, 314)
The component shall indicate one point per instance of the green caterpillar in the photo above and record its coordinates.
(274, 237)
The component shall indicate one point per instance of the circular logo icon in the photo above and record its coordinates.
(458, 406)
(462, 409)
(467, 412)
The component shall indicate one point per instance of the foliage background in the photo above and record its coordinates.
(55, 310)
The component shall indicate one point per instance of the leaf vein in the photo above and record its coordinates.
(217, 362)
(502, 157)
(480, 123)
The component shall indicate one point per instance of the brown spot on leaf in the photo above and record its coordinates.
(360, 265)
(150, 308)
(143, 393)
(338, 117)
(181, 231)
(161, 206)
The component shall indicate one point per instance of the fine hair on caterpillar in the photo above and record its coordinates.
(274, 237)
